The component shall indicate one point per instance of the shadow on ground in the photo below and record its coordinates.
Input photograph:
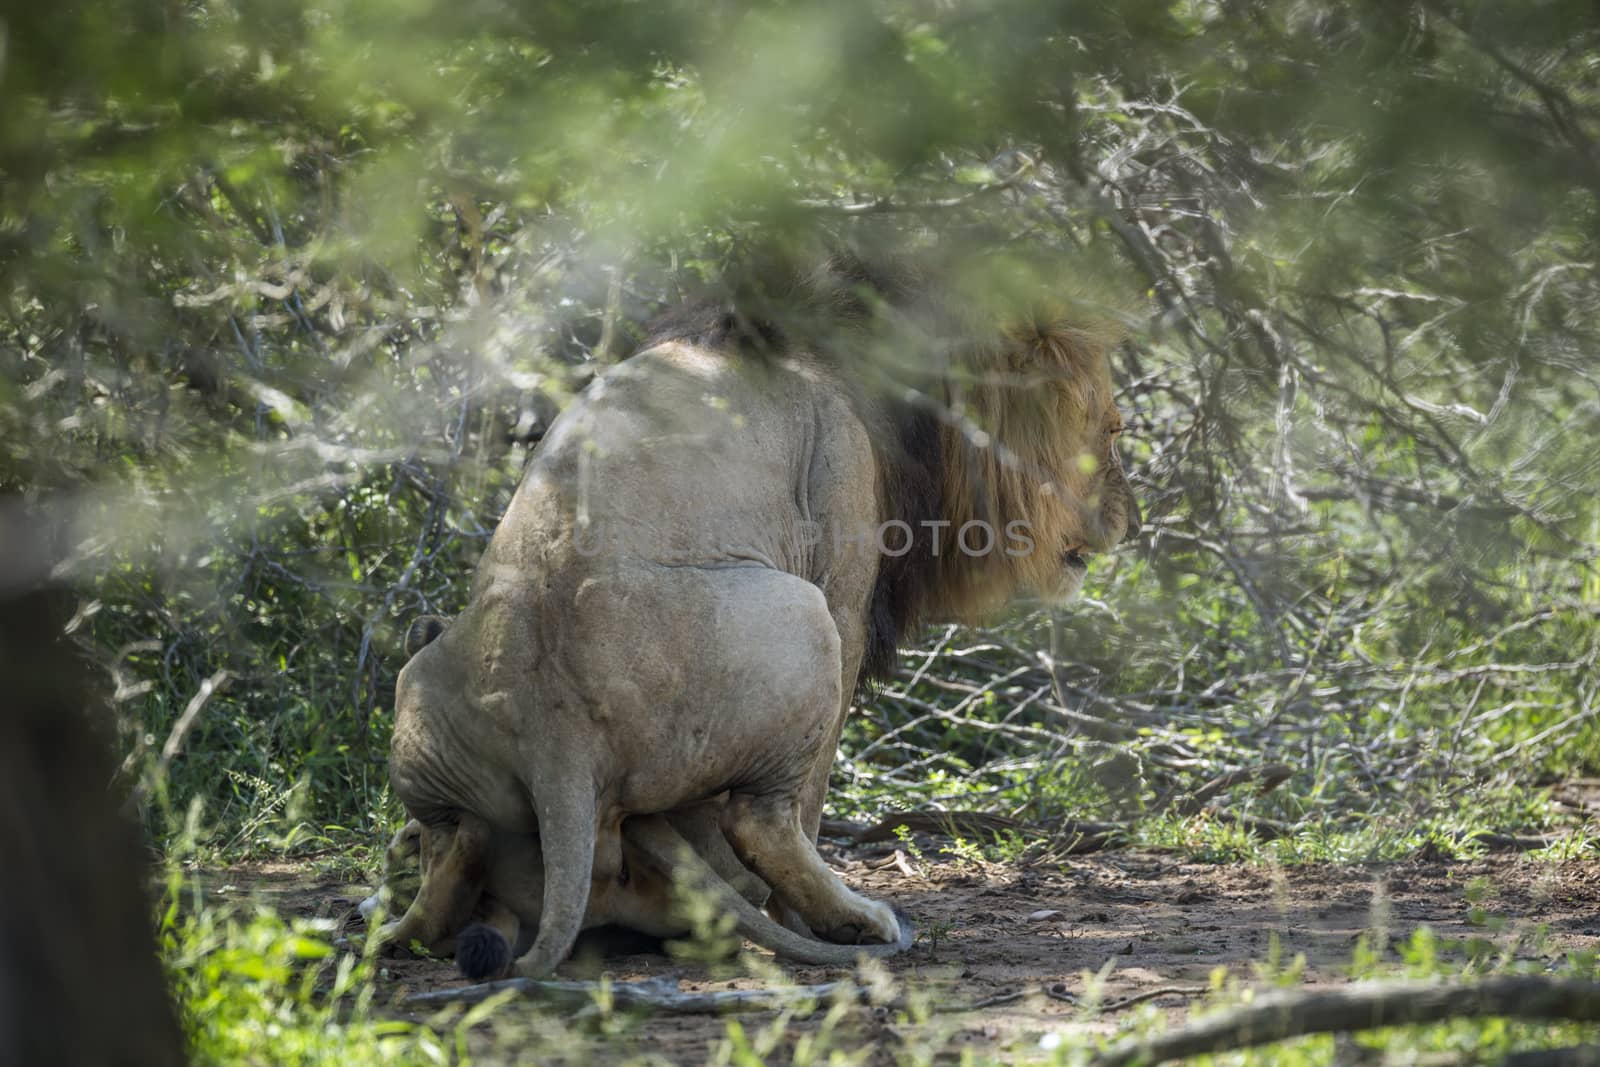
(1141, 920)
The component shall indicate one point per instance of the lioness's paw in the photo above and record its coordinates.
(389, 944)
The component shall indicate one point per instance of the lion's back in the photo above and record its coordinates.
(678, 455)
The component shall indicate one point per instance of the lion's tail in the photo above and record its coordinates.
(567, 838)
(756, 926)
(663, 844)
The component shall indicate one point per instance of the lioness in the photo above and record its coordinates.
(656, 861)
(706, 549)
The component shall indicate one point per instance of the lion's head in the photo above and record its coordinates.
(992, 414)
(1027, 449)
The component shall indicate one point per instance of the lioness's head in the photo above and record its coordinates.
(402, 875)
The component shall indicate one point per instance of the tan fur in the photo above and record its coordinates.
(714, 650)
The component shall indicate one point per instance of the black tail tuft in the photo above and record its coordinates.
(482, 952)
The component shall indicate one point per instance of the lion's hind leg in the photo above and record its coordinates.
(700, 826)
(671, 853)
(783, 624)
(765, 831)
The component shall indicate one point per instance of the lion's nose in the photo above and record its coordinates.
(1135, 520)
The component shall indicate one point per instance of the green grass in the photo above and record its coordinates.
(253, 988)
(1447, 833)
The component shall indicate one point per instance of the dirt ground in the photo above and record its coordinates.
(1030, 940)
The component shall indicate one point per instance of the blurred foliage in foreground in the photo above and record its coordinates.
(290, 289)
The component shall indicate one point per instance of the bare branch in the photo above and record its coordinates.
(1279, 1016)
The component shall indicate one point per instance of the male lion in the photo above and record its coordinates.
(707, 548)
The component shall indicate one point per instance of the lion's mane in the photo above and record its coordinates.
(963, 429)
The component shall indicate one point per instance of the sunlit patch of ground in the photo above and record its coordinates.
(1141, 920)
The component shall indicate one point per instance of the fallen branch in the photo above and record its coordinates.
(954, 823)
(1279, 1016)
(1266, 829)
(1153, 994)
(1075, 838)
(1267, 777)
(651, 994)
(1514, 842)
(845, 828)
(996, 1001)
(1572, 1056)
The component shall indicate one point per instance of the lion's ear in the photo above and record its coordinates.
(423, 629)
(407, 842)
